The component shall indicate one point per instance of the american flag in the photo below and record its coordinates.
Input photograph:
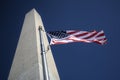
(68, 36)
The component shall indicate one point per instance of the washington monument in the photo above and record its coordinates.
(28, 61)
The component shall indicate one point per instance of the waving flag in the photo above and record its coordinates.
(68, 36)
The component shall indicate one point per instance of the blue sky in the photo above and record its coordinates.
(75, 61)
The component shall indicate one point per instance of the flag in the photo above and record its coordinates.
(68, 36)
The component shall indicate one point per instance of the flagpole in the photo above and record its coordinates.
(43, 54)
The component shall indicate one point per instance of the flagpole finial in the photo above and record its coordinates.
(40, 28)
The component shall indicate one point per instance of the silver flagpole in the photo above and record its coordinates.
(43, 54)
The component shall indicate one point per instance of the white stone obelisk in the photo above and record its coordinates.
(27, 62)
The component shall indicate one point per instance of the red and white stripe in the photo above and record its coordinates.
(81, 36)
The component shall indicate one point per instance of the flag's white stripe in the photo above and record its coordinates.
(101, 37)
(81, 40)
(69, 41)
(101, 32)
(78, 33)
(62, 40)
(55, 41)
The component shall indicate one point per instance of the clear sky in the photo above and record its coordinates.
(75, 61)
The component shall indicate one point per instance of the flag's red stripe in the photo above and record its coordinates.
(92, 35)
(102, 39)
(72, 32)
(78, 35)
(98, 42)
(102, 34)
